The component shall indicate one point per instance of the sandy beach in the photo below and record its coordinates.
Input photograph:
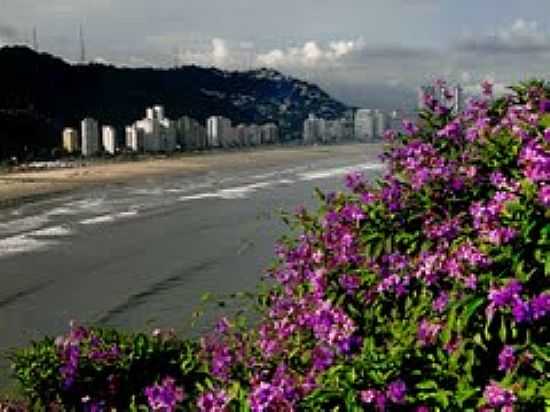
(18, 187)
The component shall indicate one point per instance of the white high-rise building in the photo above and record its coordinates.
(71, 141)
(364, 125)
(108, 137)
(168, 136)
(191, 135)
(134, 138)
(90, 137)
(326, 131)
(241, 134)
(310, 130)
(395, 121)
(159, 132)
(314, 130)
(381, 123)
(270, 133)
(254, 135)
(458, 99)
(335, 131)
(158, 112)
(219, 132)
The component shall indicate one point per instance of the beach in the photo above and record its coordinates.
(23, 186)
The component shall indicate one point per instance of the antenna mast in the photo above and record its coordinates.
(34, 39)
(82, 46)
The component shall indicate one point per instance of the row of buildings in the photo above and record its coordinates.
(365, 125)
(157, 133)
(368, 125)
(89, 142)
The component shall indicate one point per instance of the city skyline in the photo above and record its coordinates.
(357, 51)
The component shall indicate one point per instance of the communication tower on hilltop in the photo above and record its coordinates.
(82, 46)
(34, 39)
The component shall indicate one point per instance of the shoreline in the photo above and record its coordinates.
(21, 187)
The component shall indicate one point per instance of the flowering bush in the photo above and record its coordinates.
(426, 290)
(95, 369)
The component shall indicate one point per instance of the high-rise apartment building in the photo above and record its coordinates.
(219, 132)
(364, 125)
(108, 138)
(134, 138)
(90, 137)
(71, 141)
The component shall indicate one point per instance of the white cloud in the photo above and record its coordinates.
(311, 53)
(220, 52)
(217, 53)
(520, 37)
(523, 29)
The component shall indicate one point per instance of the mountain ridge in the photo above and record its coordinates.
(41, 93)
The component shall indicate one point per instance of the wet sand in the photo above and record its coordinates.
(21, 187)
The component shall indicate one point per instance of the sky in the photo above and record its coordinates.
(364, 52)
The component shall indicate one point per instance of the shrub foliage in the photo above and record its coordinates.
(424, 290)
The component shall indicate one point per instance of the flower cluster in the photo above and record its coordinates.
(164, 397)
(215, 401)
(394, 394)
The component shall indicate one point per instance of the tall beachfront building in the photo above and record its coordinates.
(191, 135)
(381, 123)
(90, 137)
(108, 138)
(219, 132)
(71, 141)
(159, 132)
(134, 138)
(364, 125)
(458, 99)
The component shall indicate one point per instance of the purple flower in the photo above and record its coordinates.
(544, 105)
(164, 397)
(506, 358)
(221, 362)
(368, 396)
(215, 401)
(544, 195)
(441, 302)
(375, 397)
(506, 295)
(352, 213)
(497, 397)
(354, 181)
(452, 130)
(540, 305)
(223, 326)
(521, 311)
(487, 88)
(71, 359)
(410, 128)
(428, 332)
(350, 283)
(390, 135)
(501, 235)
(368, 198)
(323, 358)
(278, 395)
(397, 390)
